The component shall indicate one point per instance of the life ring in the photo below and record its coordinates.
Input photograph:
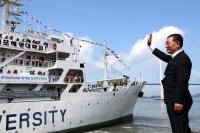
(54, 46)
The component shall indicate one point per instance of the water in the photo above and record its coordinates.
(150, 117)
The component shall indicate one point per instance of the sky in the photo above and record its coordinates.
(125, 25)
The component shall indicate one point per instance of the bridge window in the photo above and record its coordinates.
(74, 76)
(81, 65)
(75, 88)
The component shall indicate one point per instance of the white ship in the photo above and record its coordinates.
(43, 87)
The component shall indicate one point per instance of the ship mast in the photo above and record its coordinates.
(106, 54)
(10, 11)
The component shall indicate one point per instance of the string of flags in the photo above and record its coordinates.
(32, 17)
(39, 22)
(84, 40)
(100, 45)
(117, 57)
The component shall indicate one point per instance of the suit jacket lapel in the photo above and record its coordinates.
(171, 62)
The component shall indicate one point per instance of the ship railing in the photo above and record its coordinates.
(28, 62)
(101, 85)
(27, 94)
(110, 82)
(36, 34)
(9, 59)
(136, 81)
(51, 63)
(28, 32)
(68, 79)
(37, 63)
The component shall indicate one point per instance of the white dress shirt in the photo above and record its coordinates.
(174, 54)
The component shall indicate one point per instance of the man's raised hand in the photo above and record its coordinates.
(149, 40)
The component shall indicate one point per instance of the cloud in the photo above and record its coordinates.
(140, 58)
(88, 53)
(140, 52)
(137, 58)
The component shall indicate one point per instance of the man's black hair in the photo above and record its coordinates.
(177, 38)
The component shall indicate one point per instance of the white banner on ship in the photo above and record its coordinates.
(13, 78)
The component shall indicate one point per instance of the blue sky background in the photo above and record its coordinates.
(123, 23)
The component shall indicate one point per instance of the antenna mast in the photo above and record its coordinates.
(10, 14)
(106, 54)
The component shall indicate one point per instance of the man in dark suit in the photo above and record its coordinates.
(175, 83)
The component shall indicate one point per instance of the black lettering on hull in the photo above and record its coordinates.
(53, 112)
(34, 119)
(0, 118)
(9, 121)
(45, 117)
(63, 114)
(37, 117)
(24, 117)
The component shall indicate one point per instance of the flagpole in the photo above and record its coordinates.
(105, 61)
(56, 53)
(38, 28)
(24, 24)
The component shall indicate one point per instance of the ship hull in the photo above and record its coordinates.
(72, 112)
(96, 126)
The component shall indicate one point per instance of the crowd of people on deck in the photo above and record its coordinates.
(52, 77)
(2, 56)
(73, 78)
(28, 60)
